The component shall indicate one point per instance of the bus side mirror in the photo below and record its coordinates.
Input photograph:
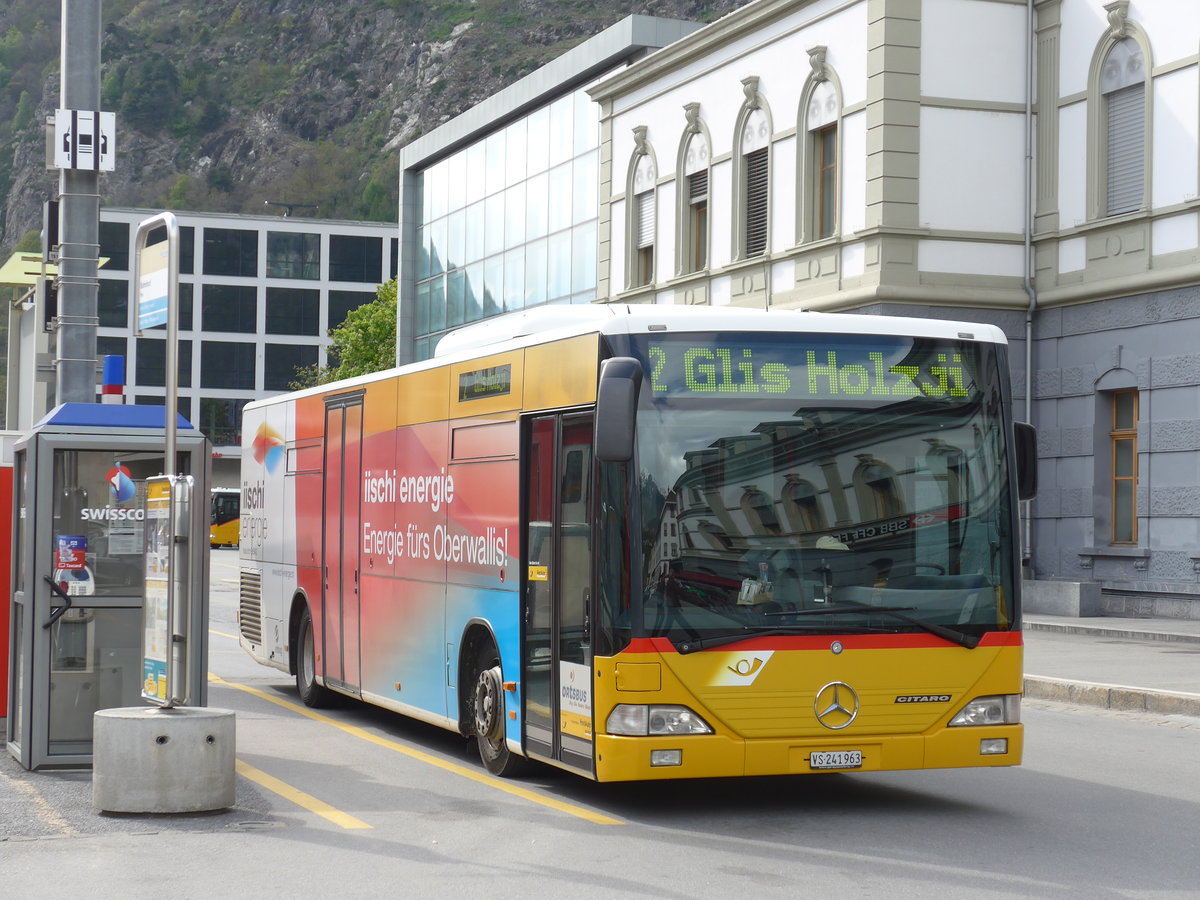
(1026, 446)
(616, 408)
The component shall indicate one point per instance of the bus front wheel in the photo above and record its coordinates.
(487, 713)
(311, 693)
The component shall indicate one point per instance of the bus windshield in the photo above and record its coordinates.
(821, 484)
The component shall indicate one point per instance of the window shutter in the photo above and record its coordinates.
(1126, 148)
(645, 219)
(756, 202)
(698, 187)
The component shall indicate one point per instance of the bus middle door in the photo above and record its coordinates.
(343, 486)
(557, 644)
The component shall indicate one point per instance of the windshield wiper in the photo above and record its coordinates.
(719, 640)
(969, 641)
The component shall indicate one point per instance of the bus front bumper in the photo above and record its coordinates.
(718, 756)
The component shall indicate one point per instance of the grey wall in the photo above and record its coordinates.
(1149, 341)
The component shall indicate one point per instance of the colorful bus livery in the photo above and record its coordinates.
(648, 542)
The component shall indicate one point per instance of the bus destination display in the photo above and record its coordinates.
(902, 368)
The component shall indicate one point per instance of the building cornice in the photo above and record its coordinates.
(725, 30)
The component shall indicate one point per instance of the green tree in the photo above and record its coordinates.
(24, 113)
(365, 342)
(178, 197)
(150, 92)
(31, 243)
(377, 204)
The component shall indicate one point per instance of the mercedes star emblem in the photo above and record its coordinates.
(836, 705)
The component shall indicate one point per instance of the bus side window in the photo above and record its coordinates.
(227, 509)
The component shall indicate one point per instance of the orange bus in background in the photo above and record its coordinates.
(224, 528)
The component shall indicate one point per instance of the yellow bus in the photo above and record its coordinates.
(657, 542)
(224, 529)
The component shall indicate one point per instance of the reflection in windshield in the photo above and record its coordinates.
(763, 511)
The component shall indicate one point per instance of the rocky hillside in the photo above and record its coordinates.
(225, 104)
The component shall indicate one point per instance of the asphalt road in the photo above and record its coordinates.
(363, 802)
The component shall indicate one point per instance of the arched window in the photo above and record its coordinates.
(1122, 436)
(1123, 92)
(800, 505)
(692, 193)
(876, 488)
(948, 465)
(1119, 111)
(819, 152)
(1115, 462)
(642, 213)
(714, 535)
(760, 511)
(752, 170)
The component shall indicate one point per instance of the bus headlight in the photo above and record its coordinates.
(1002, 709)
(638, 719)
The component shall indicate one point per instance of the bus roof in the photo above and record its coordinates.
(551, 323)
(622, 318)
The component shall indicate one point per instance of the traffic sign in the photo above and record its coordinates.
(85, 139)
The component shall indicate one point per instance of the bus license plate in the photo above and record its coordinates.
(835, 759)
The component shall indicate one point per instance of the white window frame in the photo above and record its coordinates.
(753, 135)
(820, 109)
(1113, 118)
(693, 214)
(641, 214)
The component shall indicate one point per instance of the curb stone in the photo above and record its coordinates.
(1112, 696)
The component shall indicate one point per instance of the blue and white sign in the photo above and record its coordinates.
(153, 286)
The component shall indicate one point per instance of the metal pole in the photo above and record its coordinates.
(79, 232)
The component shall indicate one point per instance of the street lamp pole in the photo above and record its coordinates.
(79, 207)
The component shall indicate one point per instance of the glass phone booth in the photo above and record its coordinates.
(79, 572)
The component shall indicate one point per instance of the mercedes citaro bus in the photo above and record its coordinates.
(644, 542)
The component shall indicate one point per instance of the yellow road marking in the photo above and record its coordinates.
(223, 634)
(41, 806)
(500, 785)
(309, 802)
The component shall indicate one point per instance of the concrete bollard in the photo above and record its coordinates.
(152, 760)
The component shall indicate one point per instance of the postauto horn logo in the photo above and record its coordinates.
(120, 482)
(268, 447)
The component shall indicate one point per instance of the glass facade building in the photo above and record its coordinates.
(499, 207)
(509, 221)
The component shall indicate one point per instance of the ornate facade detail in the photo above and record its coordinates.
(691, 112)
(750, 89)
(1118, 16)
(816, 59)
(640, 144)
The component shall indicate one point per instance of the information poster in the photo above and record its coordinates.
(70, 551)
(156, 637)
(71, 571)
(575, 709)
(153, 286)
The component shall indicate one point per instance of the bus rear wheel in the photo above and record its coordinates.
(311, 693)
(487, 715)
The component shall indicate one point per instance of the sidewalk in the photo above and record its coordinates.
(1150, 665)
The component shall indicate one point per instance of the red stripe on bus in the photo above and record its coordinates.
(822, 642)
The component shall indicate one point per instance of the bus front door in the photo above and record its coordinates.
(343, 482)
(557, 647)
